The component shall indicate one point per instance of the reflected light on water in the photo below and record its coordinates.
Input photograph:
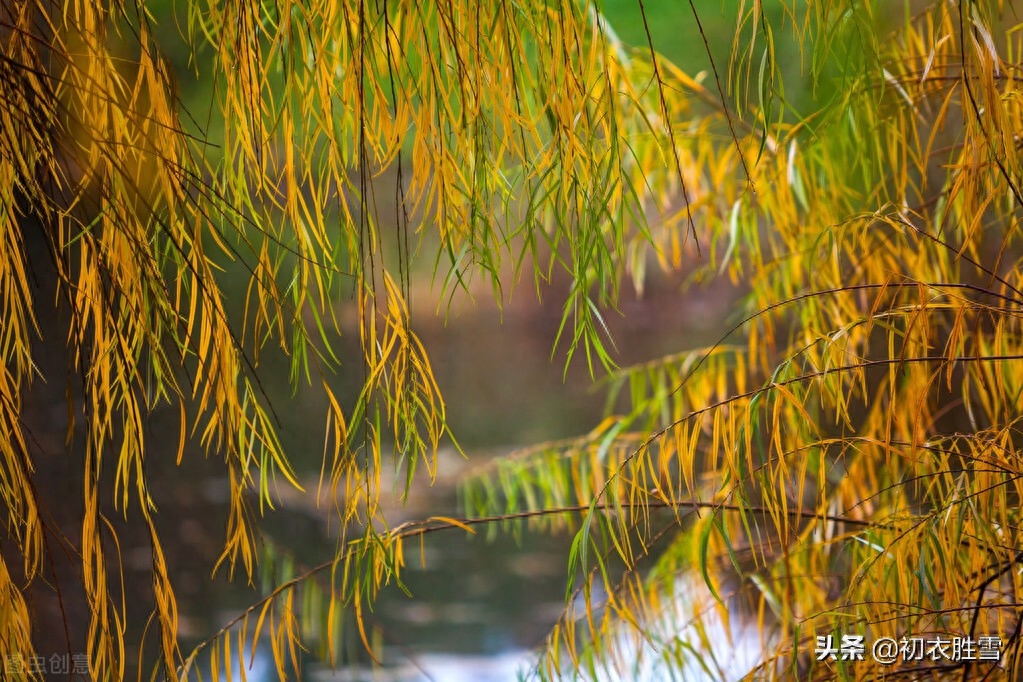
(725, 652)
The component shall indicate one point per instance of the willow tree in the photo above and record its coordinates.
(845, 459)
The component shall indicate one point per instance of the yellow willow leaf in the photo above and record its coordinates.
(362, 629)
(453, 522)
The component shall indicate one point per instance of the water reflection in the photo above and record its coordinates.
(479, 607)
(721, 648)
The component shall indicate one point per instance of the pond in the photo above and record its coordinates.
(480, 607)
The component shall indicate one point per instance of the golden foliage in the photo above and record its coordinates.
(848, 457)
(869, 484)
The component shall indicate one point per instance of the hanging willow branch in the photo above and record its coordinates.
(851, 447)
(520, 133)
